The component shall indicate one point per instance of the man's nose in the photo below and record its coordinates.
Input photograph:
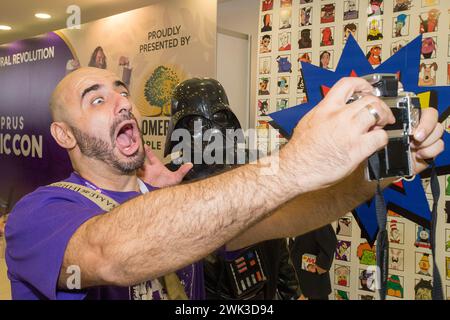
(122, 104)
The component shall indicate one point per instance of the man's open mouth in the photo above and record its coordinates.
(127, 137)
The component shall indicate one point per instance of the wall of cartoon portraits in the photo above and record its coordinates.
(315, 31)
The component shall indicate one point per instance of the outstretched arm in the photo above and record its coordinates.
(164, 230)
(315, 209)
(309, 211)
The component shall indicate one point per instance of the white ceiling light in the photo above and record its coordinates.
(4, 27)
(42, 15)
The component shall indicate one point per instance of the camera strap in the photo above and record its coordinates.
(437, 292)
(382, 249)
(382, 237)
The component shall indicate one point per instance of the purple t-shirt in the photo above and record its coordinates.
(38, 231)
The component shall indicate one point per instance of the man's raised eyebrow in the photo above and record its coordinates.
(95, 87)
(119, 83)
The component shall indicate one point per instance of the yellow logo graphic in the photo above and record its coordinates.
(157, 92)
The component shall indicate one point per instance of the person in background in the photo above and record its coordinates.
(312, 255)
(265, 267)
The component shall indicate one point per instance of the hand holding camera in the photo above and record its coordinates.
(396, 159)
(334, 138)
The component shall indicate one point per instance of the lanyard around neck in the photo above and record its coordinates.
(142, 186)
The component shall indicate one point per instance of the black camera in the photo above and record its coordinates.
(395, 159)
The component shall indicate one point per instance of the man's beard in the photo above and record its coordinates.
(96, 148)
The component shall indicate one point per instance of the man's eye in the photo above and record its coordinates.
(98, 101)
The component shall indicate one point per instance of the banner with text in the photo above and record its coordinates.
(151, 49)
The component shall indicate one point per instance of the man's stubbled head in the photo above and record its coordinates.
(95, 119)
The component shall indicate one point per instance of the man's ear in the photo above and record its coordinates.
(63, 135)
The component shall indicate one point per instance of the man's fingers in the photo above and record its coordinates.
(432, 151)
(372, 142)
(427, 124)
(345, 88)
(149, 153)
(370, 111)
(183, 170)
(432, 138)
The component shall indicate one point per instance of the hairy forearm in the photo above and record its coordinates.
(311, 210)
(167, 229)
(318, 208)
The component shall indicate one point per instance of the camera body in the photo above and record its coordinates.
(395, 159)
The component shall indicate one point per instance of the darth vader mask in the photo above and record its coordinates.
(203, 129)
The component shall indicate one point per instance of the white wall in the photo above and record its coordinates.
(242, 16)
(233, 72)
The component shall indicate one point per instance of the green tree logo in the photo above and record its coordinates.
(159, 88)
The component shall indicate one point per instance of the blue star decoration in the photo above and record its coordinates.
(405, 198)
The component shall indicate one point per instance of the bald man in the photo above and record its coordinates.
(55, 235)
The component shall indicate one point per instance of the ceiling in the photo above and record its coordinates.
(19, 14)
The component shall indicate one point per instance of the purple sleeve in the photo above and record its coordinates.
(37, 233)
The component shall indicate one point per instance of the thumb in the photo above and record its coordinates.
(372, 142)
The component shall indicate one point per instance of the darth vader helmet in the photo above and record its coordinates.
(201, 107)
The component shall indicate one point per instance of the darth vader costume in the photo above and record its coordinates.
(201, 107)
(262, 271)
